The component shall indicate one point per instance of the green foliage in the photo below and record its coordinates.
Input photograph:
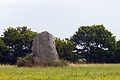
(117, 53)
(65, 49)
(51, 63)
(63, 63)
(83, 61)
(26, 61)
(94, 43)
(19, 40)
(20, 62)
(4, 53)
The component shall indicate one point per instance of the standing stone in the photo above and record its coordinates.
(44, 48)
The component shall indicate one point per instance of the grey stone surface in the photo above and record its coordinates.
(44, 49)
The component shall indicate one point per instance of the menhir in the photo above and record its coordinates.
(44, 49)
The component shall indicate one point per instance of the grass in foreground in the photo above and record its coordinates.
(75, 72)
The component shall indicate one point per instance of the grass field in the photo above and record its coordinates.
(74, 72)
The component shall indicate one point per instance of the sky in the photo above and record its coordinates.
(60, 17)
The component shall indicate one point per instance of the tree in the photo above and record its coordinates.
(94, 43)
(65, 49)
(117, 53)
(19, 40)
(4, 53)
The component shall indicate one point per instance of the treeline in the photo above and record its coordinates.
(89, 44)
(16, 42)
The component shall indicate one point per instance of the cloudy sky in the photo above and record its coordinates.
(60, 17)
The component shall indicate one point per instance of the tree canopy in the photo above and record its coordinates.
(64, 49)
(19, 40)
(4, 53)
(94, 43)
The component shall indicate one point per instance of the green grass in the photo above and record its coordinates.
(76, 72)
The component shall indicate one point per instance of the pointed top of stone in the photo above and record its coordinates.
(45, 33)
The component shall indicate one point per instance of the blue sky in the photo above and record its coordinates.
(60, 17)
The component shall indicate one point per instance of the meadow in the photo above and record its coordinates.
(72, 72)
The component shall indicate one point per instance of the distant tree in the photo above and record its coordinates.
(65, 49)
(19, 40)
(117, 53)
(4, 53)
(94, 43)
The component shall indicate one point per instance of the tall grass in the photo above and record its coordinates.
(76, 72)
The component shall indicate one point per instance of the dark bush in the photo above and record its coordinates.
(29, 62)
(25, 61)
(61, 63)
